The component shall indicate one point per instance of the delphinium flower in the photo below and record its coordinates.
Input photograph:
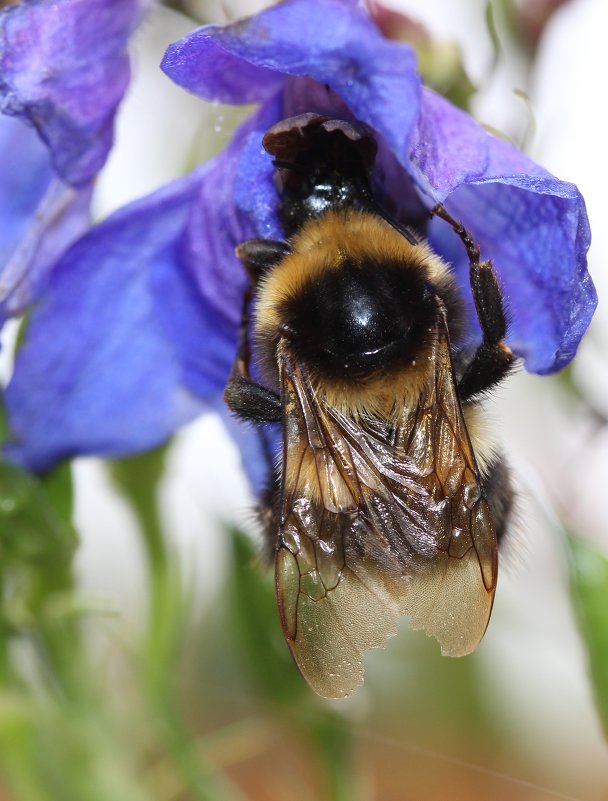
(137, 331)
(64, 68)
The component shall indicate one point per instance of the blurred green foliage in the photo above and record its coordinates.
(589, 584)
(60, 737)
(137, 477)
(55, 739)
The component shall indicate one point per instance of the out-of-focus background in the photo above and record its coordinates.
(152, 666)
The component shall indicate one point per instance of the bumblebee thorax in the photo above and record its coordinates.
(358, 317)
(354, 299)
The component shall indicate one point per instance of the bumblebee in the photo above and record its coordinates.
(387, 500)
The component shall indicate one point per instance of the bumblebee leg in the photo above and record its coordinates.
(501, 497)
(268, 513)
(246, 398)
(493, 359)
(257, 255)
(251, 401)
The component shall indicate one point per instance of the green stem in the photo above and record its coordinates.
(138, 478)
(18, 774)
(333, 738)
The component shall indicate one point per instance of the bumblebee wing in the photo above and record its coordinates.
(331, 603)
(453, 569)
(377, 522)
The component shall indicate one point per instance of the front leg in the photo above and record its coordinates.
(493, 360)
(246, 398)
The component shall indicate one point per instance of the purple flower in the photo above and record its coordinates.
(138, 329)
(63, 70)
(39, 216)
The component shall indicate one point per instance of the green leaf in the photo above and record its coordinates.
(589, 584)
(34, 515)
(3, 420)
(137, 477)
(37, 541)
(58, 489)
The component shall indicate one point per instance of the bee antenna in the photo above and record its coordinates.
(388, 217)
(396, 225)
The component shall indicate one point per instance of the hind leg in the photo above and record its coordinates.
(498, 487)
(268, 514)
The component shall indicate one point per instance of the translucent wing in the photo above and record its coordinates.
(376, 522)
